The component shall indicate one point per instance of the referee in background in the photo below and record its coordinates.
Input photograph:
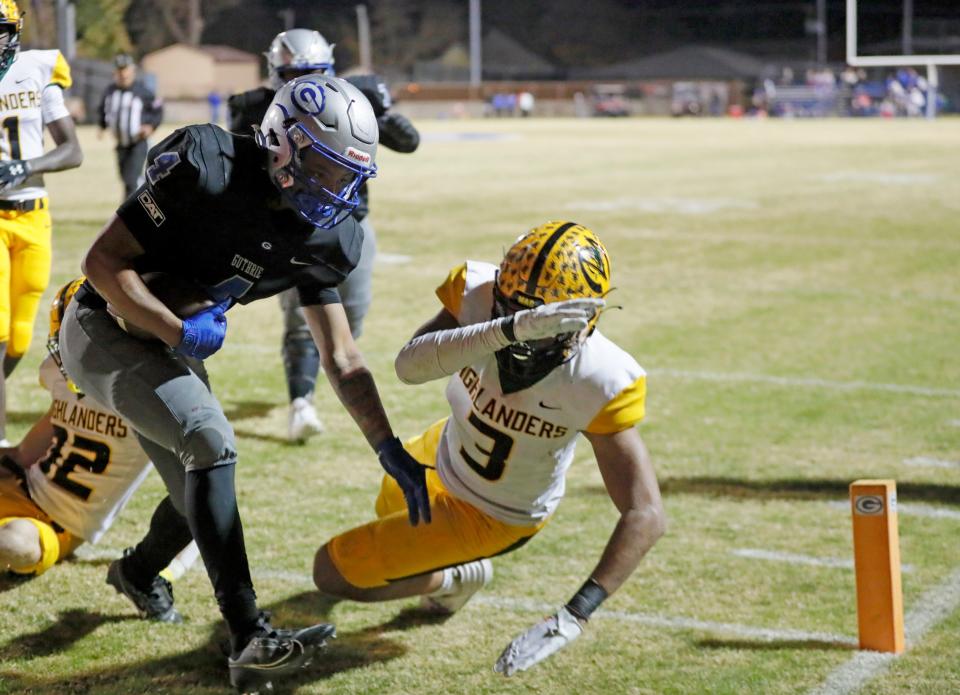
(131, 112)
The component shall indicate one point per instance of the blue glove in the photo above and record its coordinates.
(410, 475)
(203, 333)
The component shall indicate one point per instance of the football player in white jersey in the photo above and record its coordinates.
(65, 483)
(528, 373)
(31, 97)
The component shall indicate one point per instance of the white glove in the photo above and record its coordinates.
(539, 642)
(548, 320)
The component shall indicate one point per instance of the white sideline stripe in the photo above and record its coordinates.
(923, 510)
(928, 462)
(931, 608)
(796, 559)
(676, 623)
(809, 382)
(392, 258)
(89, 553)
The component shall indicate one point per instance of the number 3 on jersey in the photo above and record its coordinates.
(497, 455)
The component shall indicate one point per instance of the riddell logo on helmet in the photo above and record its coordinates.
(357, 155)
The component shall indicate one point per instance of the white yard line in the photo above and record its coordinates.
(652, 619)
(795, 559)
(930, 609)
(927, 462)
(694, 375)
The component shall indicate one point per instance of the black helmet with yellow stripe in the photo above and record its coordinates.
(554, 262)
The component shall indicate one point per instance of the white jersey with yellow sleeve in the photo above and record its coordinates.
(508, 453)
(93, 465)
(31, 96)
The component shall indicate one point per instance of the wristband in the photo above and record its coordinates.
(508, 329)
(586, 601)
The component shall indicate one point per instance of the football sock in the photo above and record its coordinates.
(169, 533)
(211, 503)
(446, 584)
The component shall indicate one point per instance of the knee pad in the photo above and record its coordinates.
(208, 443)
(49, 545)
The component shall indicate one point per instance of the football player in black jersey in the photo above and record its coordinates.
(294, 53)
(244, 218)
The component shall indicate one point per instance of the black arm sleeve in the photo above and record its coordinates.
(103, 107)
(398, 133)
(152, 109)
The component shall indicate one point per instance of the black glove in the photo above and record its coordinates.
(410, 475)
(13, 172)
(375, 90)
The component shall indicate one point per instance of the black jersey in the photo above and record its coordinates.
(209, 212)
(396, 132)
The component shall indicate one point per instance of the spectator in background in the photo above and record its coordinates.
(525, 101)
(132, 113)
(215, 101)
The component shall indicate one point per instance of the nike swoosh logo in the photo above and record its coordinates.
(549, 407)
(294, 261)
(23, 80)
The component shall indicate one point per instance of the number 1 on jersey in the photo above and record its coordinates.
(11, 125)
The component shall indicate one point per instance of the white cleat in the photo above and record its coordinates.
(468, 579)
(304, 422)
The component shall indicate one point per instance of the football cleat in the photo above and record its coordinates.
(155, 604)
(468, 579)
(304, 422)
(275, 653)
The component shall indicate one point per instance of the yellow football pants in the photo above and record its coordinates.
(390, 548)
(24, 274)
(54, 545)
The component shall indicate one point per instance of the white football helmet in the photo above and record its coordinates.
(315, 121)
(297, 52)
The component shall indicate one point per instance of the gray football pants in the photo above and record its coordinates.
(165, 397)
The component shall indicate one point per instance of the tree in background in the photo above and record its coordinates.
(101, 32)
(153, 25)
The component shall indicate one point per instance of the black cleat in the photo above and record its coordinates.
(155, 604)
(275, 653)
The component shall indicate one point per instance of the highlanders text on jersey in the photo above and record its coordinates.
(31, 95)
(93, 466)
(507, 454)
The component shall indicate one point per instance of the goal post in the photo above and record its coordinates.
(929, 60)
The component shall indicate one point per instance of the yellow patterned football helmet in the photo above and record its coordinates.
(57, 309)
(11, 24)
(551, 263)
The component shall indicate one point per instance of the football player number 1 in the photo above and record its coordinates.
(86, 453)
(496, 455)
(11, 127)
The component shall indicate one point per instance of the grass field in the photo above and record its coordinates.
(792, 289)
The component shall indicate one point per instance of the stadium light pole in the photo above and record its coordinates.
(363, 38)
(67, 29)
(821, 32)
(907, 28)
(476, 58)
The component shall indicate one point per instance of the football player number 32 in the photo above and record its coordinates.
(86, 453)
(496, 455)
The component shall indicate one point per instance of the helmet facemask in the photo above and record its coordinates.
(319, 203)
(322, 137)
(57, 311)
(523, 364)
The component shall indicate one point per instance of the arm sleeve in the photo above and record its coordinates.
(622, 411)
(103, 108)
(316, 294)
(442, 353)
(152, 109)
(52, 107)
(398, 133)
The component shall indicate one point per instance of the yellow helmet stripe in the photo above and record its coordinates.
(543, 255)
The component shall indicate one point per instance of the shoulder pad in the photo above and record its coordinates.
(198, 156)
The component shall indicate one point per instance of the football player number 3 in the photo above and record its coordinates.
(496, 456)
(11, 133)
(88, 454)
